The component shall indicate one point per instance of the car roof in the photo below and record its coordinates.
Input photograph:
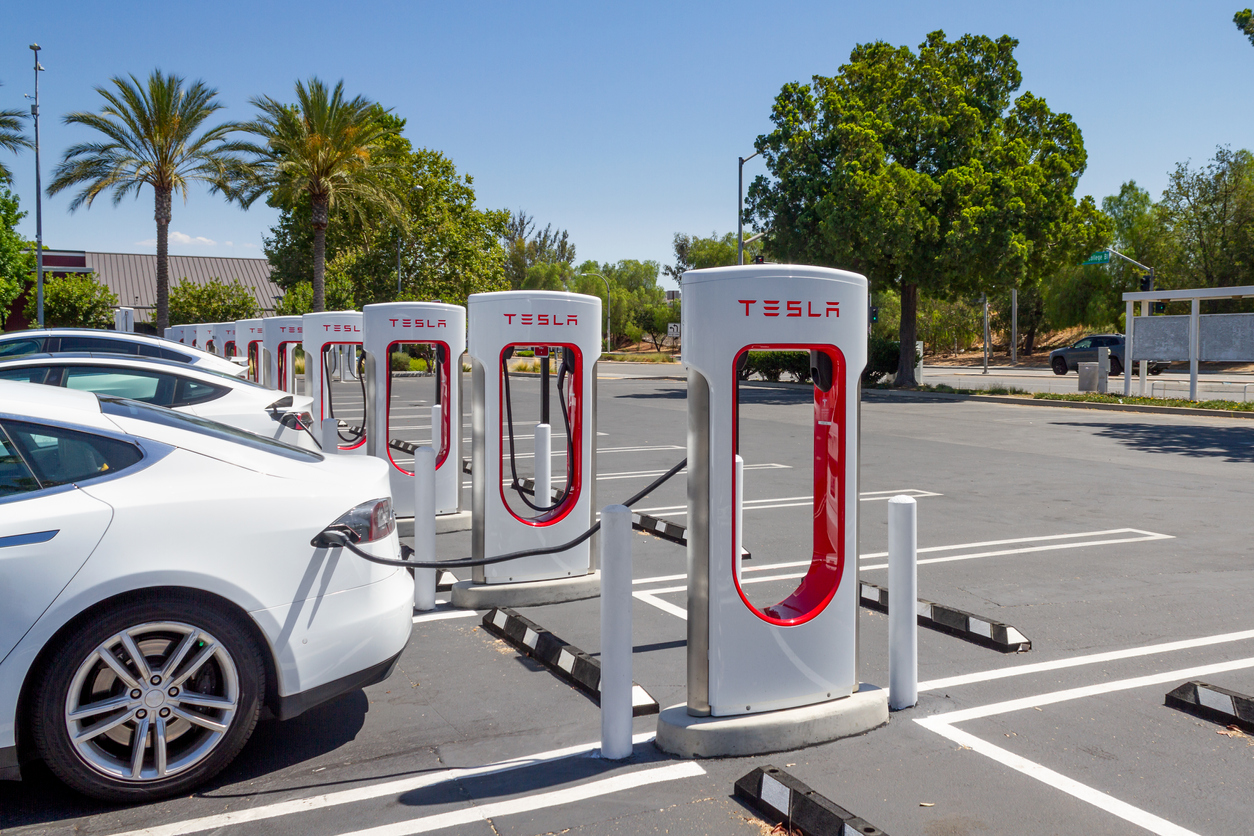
(52, 403)
(100, 358)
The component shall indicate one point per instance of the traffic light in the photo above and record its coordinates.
(759, 259)
(1147, 282)
(1160, 307)
(875, 314)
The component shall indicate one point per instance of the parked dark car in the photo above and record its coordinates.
(1068, 359)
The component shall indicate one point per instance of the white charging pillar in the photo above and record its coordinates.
(280, 336)
(202, 335)
(389, 327)
(224, 339)
(249, 337)
(519, 320)
(324, 335)
(744, 658)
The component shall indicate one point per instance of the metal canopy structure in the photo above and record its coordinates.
(1235, 332)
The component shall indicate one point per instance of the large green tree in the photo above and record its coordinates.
(16, 259)
(448, 247)
(212, 301)
(1208, 214)
(75, 300)
(11, 138)
(692, 252)
(150, 137)
(526, 247)
(919, 170)
(326, 151)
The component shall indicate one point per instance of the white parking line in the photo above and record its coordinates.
(786, 501)
(943, 724)
(664, 606)
(443, 614)
(397, 787)
(540, 801)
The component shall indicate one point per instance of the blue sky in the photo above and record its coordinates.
(619, 122)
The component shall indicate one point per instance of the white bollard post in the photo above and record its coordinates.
(544, 465)
(903, 595)
(740, 512)
(437, 418)
(330, 436)
(616, 632)
(424, 527)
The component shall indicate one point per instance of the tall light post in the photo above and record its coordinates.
(609, 342)
(39, 212)
(740, 209)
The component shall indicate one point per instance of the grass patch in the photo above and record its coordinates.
(1090, 397)
(941, 388)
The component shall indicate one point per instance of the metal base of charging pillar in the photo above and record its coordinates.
(679, 733)
(444, 524)
(484, 596)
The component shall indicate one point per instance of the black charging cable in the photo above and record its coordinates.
(343, 538)
(365, 407)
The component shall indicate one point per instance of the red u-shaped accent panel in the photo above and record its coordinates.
(827, 558)
(445, 388)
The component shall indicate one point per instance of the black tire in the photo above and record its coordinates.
(220, 661)
(1156, 370)
(1059, 365)
(1115, 366)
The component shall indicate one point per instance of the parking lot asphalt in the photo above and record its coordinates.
(1118, 543)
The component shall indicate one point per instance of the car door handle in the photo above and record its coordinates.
(28, 539)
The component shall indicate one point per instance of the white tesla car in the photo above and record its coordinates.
(53, 340)
(192, 389)
(160, 583)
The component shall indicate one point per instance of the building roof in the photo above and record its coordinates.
(133, 276)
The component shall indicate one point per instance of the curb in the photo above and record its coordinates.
(1021, 401)
(669, 531)
(782, 799)
(964, 625)
(563, 660)
(1210, 702)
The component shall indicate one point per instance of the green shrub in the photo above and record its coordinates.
(883, 355)
(773, 365)
(76, 300)
(400, 361)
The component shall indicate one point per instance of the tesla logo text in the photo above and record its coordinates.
(771, 307)
(419, 323)
(543, 319)
(289, 329)
(353, 328)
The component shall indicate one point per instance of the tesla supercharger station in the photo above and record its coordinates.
(568, 327)
(331, 339)
(249, 339)
(203, 336)
(280, 336)
(224, 339)
(389, 327)
(746, 659)
(178, 333)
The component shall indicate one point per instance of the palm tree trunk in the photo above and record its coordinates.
(909, 328)
(162, 214)
(320, 220)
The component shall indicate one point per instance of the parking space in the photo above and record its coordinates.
(1118, 543)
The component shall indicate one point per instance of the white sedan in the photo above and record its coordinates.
(53, 340)
(198, 391)
(163, 578)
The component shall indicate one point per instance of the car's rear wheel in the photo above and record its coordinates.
(1156, 370)
(148, 700)
(1115, 366)
(1060, 366)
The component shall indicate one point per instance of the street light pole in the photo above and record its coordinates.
(39, 211)
(740, 208)
(609, 341)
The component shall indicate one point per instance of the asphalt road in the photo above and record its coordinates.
(1118, 543)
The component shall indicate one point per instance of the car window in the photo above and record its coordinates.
(191, 392)
(1083, 344)
(163, 353)
(146, 386)
(15, 476)
(103, 344)
(58, 456)
(25, 374)
(16, 348)
(203, 426)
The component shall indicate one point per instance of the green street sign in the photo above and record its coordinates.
(1099, 257)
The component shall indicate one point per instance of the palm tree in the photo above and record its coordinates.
(150, 140)
(11, 138)
(326, 149)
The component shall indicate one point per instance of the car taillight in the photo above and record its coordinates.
(368, 522)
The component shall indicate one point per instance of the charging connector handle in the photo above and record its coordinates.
(333, 537)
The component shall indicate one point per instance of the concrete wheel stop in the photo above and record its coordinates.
(679, 733)
(484, 596)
